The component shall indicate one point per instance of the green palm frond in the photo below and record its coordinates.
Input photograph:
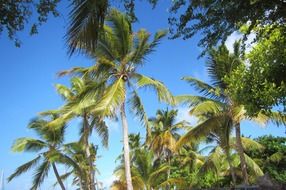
(112, 99)
(157, 38)
(137, 108)
(28, 144)
(207, 107)
(102, 130)
(274, 117)
(205, 89)
(87, 19)
(142, 47)
(121, 28)
(249, 144)
(162, 91)
(213, 161)
(276, 157)
(41, 172)
(24, 168)
(221, 63)
(64, 91)
(155, 174)
(73, 71)
(238, 113)
(201, 130)
(77, 85)
(253, 166)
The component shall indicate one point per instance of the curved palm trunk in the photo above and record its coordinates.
(126, 148)
(241, 153)
(91, 184)
(58, 176)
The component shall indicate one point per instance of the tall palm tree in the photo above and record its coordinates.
(217, 104)
(119, 53)
(48, 148)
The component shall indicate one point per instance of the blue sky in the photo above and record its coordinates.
(28, 76)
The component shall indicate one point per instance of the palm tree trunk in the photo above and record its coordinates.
(241, 153)
(58, 176)
(231, 168)
(91, 184)
(126, 147)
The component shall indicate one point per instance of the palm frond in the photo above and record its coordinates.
(121, 28)
(207, 107)
(112, 99)
(87, 19)
(253, 166)
(201, 130)
(28, 144)
(64, 91)
(249, 144)
(137, 108)
(276, 157)
(204, 88)
(24, 168)
(40, 174)
(102, 130)
(162, 91)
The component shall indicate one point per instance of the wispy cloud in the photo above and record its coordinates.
(106, 182)
(237, 36)
(183, 115)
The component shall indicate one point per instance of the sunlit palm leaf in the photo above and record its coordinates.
(28, 144)
(162, 92)
(24, 168)
(204, 88)
(112, 99)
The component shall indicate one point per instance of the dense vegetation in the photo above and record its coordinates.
(173, 154)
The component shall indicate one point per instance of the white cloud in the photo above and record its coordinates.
(183, 115)
(231, 39)
(106, 183)
(237, 36)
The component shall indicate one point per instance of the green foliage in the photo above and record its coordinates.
(15, 15)
(216, 20)
(272, 159)
(262, 83)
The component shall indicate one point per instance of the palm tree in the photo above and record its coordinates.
(119, 53)
(90, 122)
(48, 149)
(217, 105)
(77, 152)
(164, 132)
(221, 160)
(146, 173)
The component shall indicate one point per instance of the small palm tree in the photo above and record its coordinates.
(146, 174)
(217, 108)
(119, 53)
(90, 122)
(164, 132)
(48, 149)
